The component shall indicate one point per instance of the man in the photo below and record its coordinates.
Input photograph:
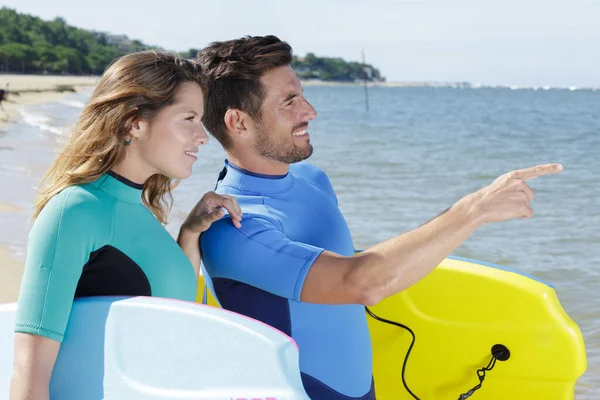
(292, 263)
(3, 97)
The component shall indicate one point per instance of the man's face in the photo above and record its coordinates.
(282, 133)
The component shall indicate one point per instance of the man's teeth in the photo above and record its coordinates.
(300, 133)
(189, 153)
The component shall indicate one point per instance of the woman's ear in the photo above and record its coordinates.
(138, 128)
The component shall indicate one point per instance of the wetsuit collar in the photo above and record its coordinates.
(251, 181)
(120, 187)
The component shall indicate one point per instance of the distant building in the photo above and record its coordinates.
(125, 44)
(116, 39)
(302, 70)
(122, 41)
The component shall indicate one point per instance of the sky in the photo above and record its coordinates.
(505, 42)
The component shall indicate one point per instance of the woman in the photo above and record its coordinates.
(98, 228)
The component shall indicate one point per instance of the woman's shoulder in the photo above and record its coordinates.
(81, 203)
(76, 215)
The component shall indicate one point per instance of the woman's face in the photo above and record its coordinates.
(169, 144)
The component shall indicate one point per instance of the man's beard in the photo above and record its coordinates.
(284, 151)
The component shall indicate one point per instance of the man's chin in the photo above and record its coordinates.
(309, 151)
(306, 153)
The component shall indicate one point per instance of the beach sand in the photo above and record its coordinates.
(34, 89)
(11, 272)
(11, 269)
(8, 207)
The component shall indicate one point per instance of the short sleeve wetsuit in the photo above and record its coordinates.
(259, 270)
(97, 239)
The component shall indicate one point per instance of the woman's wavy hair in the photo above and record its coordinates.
(135, 86)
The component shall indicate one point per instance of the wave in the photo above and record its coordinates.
(545, 87)
(73, 103)
(42, 122)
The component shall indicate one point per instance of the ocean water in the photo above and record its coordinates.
(411, 156)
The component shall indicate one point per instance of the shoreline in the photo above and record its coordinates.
(27, 90)
(317, 82)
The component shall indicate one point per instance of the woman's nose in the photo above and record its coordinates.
(202, 136)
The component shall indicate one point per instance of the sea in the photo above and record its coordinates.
(394, 166)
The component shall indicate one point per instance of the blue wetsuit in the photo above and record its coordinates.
(259, 271)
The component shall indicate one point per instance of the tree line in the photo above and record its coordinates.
(31, 45)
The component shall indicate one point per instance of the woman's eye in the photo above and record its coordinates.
(190, 118)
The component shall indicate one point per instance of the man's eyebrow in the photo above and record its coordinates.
(291, 96)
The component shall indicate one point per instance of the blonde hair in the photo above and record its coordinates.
(137, 85)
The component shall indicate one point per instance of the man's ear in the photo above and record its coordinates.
(236, 121)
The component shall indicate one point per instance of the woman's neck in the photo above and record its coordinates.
(134, 173)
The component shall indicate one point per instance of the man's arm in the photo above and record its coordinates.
(396, 264)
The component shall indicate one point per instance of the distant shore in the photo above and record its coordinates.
(316, 82)
(36, 89)
(464, 85)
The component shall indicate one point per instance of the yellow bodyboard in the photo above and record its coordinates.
(458, 312)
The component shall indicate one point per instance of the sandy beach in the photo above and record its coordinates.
(26, 90)
(11, 271)
(36, 89)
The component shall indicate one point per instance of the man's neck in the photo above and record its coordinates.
(258, 164)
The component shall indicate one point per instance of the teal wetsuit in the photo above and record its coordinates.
(97, 239)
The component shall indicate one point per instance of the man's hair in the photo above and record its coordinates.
(233, 70)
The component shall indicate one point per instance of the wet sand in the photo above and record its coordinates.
(36, 89)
